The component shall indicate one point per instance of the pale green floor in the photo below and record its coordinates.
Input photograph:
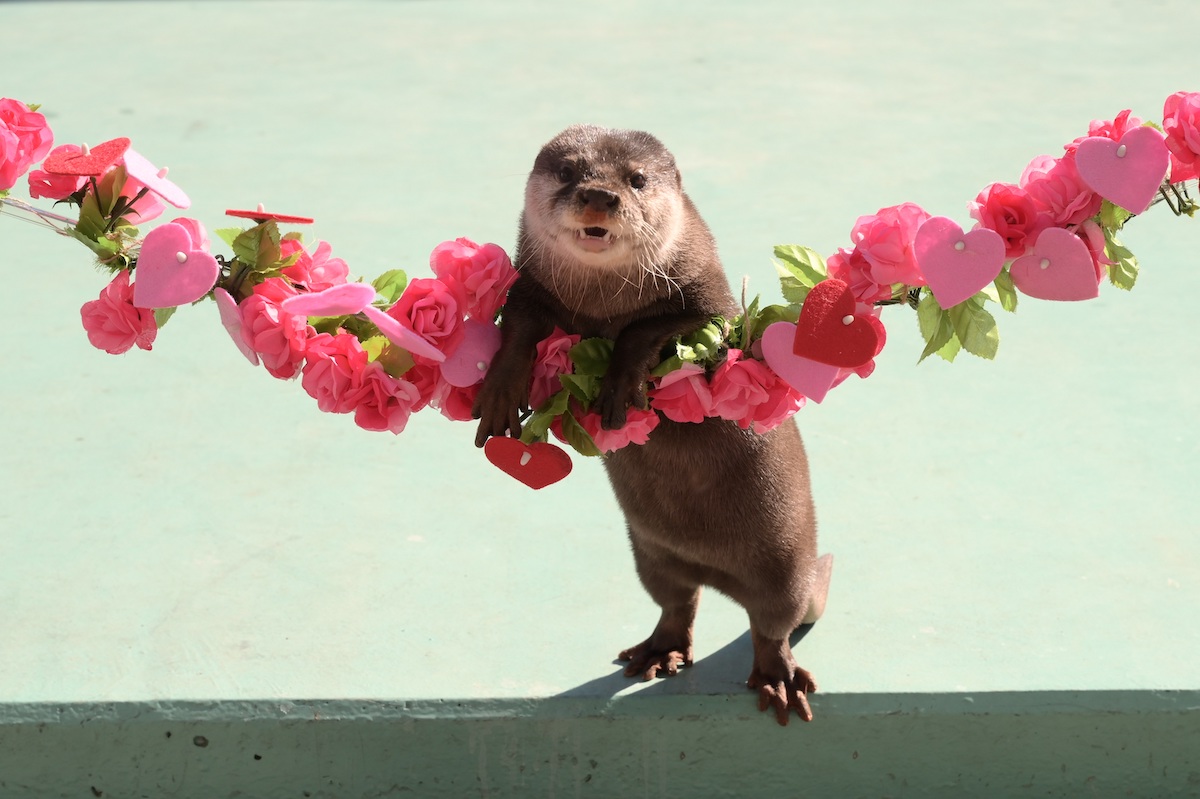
(185, 535)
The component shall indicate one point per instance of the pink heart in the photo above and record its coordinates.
(1059, 268)
(231, 320)
(536, 465)
(1128, 172)
(340, 300)
(154, 179)
(172, 269)
(402, 336)
(467, 365)
(957, 265)
(811, 378)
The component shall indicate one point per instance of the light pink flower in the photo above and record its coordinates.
(25, 139)
(113, 324)
(1009, 211)
(383, 402)
(479, 276)
(315, 271)
(850, 267)
(429, 308)
(552, 360)
(333, 366)
(278, 337)
(1181, 124)
(49, 186)
(885, 240)
(1056, 189)
(683, 395)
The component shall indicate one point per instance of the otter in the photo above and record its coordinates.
(610, 245)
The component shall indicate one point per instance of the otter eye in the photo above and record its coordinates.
(637, 180)
(566, 173)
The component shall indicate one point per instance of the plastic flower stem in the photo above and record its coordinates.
(123, 204)
(45, 215)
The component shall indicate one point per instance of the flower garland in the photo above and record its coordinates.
(383, 350)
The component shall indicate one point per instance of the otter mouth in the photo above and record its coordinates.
(594, 239)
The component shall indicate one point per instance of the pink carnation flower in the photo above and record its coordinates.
(683, 395)
(25, 139)
(113, 324)
(1008, 210)
(49, 186)
(429, 307)
(383, 402)
(552, 360)
(1181, 124)
(1056, 189)
(315, 271)
(479, 276)
(333, 366)
(885, 241)
(279, 338)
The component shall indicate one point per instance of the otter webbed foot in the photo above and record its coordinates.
(782, 685)
(650, 660)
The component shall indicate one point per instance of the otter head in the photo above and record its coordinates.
(606, 199)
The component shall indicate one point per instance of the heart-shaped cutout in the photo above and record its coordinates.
(830, 332)
(172, 269)
(957, 265)
(1128, 172)
(810, 378)
(536, 465)
(91, 162)
(261, 216)
(155, 179)
(1059, 268)
(402, 336)
(231, 320)
(340, 300)
(469, 362)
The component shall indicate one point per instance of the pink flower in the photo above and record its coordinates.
(636, 430)
(746, 391)
(278, 337)
(1009, 211)
(683, 395)
(316, 271)
(1055, 188)
(453, 402)
(1108, 128)
(479, 277)
(48, 186)
(428, 307)
(885, 240)
(552, 360)
(383, 402)
(1093, 236)
(333, 365)
(113, 324)
(853, 269)
(1181, 124)
(25, 139)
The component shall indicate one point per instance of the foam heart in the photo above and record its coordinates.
(259, 215)
(94, 163)
(469, 362)
(536, 465)
(1128, 172)
(172, 269)
(340, 300)
(1059, 268)
(830, 332)
(231, 320)
(155, 179)
(402, 336)
(957, 265)
(810, 378)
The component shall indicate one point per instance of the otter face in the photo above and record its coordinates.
(607, 199)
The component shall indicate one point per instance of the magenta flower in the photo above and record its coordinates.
(314, 271)
(479, 276)
(279, 338)
(383, 402)
(333, 366)
(51, 186)
(853, 269)
(1181, 124)
(1056, 189)
(553, 359)
(1008, 210)
(428, 307)
(113, 324)
(25, 139)
(636, 430)
(885, 241)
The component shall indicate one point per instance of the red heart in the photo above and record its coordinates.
(262, 216)
(536, 465)
(829, 331)
(95, 163)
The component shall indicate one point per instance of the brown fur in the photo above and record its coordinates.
(705, 504)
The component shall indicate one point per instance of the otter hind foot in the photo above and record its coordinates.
(651, 661)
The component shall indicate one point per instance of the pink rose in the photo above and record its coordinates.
(383, 402)
(1181, 124)
(333, 365)
(428, 307)
(454, 402)
(885, 239)
(853, 269)
(480, 277)
(1009, 211)
(552, 360)
(1108, 128)
(636, 430)
(48, 186)
(746, 391)
(316, 271)
(683, 395)
(1055, 188)
(25, 139)
(278, 337)
(113, 324)
(781, 404)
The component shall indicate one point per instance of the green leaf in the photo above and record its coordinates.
(258, 247)
(538, 425)
(950, 351)
(704, 344)
(1113, 216)
(591, 356)
(975, 328)
(935, 326)
(1006, 291)
(374, 346)
(162, 315)
(582, 387)
(3, 193)
(228, 234)
(799, 268)
(577, 437)
(1124, 272)
(395, 360)
(391, 285)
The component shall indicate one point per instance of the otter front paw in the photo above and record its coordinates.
(617, 394)
(499, 412)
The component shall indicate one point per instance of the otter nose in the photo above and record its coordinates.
(598, 199)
